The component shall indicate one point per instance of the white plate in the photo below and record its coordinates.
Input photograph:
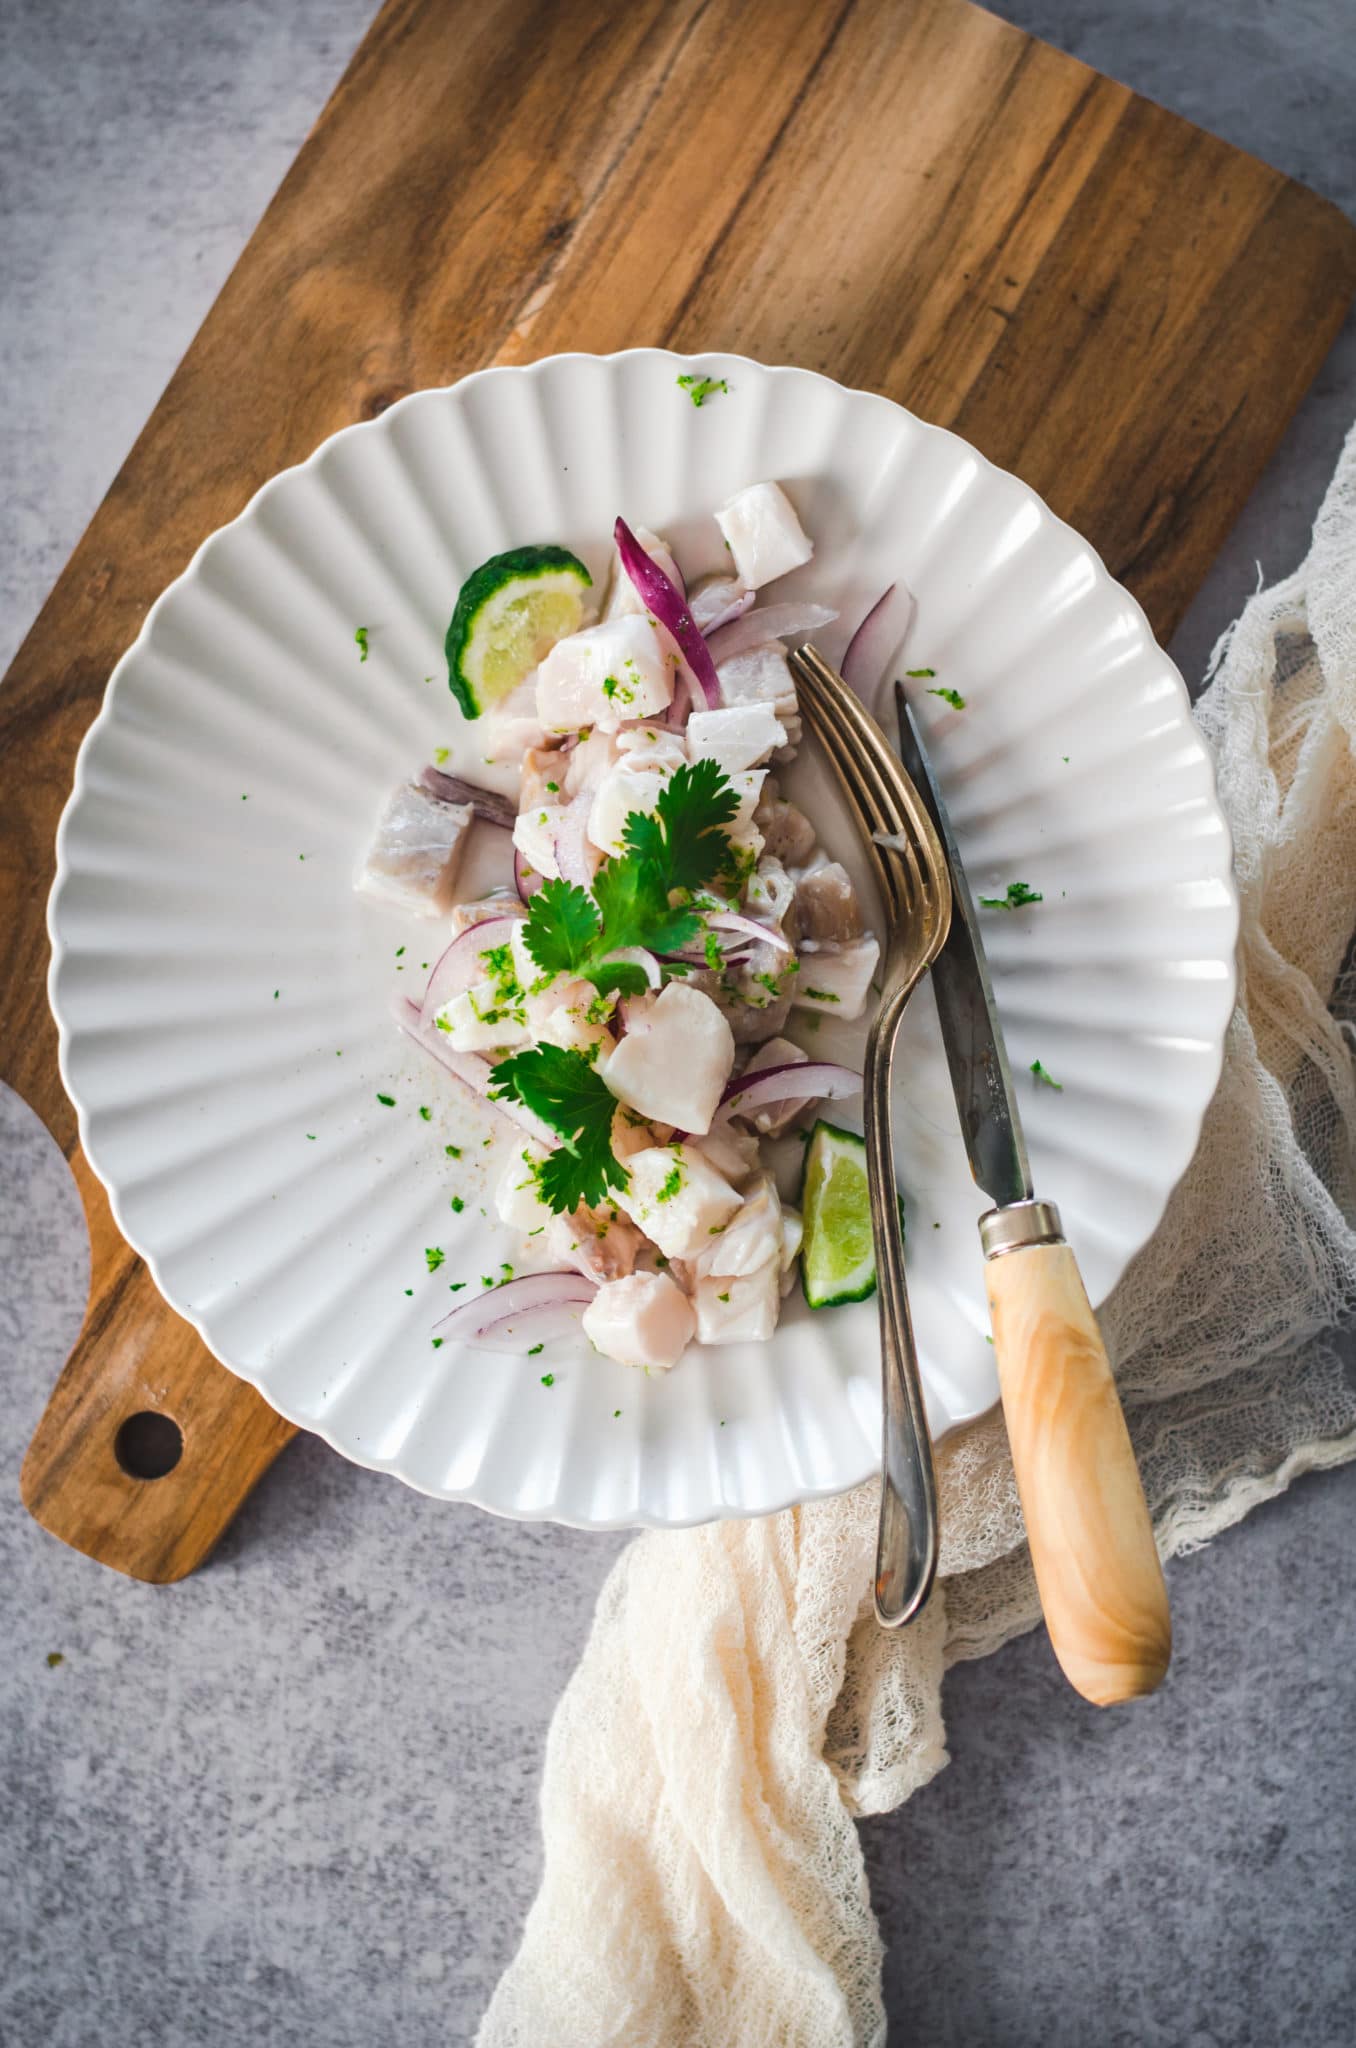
(226, 790)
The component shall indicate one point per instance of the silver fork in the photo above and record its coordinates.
(915, 888)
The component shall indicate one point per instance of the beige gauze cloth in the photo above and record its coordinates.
(736, 1706)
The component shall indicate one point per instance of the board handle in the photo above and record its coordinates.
(1092, 1541)
(148, 1446)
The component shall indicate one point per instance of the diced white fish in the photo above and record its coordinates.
(644, 1320)
(514, 726)
(588, 763)
(677, 1198)
(827, 905)
(653, 747)
(748, 787)
(599, 1243)
(567, 1023)
(765, 537)
(759, 676)
(787, 833)
(622, 596)
(793, 1236)
(481, 909)
(609, 674)
(837, 982)
(534, 835)
(775, 1117)
(631, 1134)
(749, 1239)
(737, 737)
(479, 1020)
(674, 1060)
(517, 1195)
(730, 1149)
(543, 777)
(732, 1308)
(624, 789)
(415, 852)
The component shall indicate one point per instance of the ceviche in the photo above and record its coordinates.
(625, 1002)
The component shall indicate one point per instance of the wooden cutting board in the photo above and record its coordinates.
(907, 194)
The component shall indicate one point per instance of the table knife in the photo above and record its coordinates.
(1092, 1542)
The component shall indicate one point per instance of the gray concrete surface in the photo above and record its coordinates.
(292, 1801)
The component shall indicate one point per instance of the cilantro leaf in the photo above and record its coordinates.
(622, 977)
(683, 836)
(565, 1091)
(1018, 896)
(562, 927)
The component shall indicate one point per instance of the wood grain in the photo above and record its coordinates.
(912, 197)
(1092, 1542)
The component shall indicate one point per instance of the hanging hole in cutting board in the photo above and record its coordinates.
(148, 1445)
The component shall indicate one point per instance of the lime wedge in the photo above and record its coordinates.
(510, 613)
(838, 1262)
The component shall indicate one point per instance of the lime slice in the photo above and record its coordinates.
(838, 1262)
(510, 613)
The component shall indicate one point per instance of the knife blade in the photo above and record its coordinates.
(971, 1032)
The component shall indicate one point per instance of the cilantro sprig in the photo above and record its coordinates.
(678, 848)
(560, 1086)
(1018, 896)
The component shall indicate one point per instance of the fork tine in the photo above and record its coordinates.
(865, 775)
(897, 887)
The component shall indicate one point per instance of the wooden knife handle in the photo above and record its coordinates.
(148, 1447)
(1092, 1542)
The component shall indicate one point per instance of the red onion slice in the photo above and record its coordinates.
(749, 928)
(881, 633)
(769, 622)
(669, 606)
(797, 1081)
(472, 1321)
(521, 1335)
(458, 968)
(489, 804)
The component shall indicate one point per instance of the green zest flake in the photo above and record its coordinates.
(920, 671)
(433, 1257)
(548, 1379)
(276, 994)
(409, 1290)
(440, 755)
(615, 1413)
(487, 1279)
(1065, 759)
(535, 1349)
(437, 1343)
(1017, 898)
(1039, 1071)
(399, 951)
(386, 1101)
(311, 1136)
(452, 1151)
(457, 1205)
(823, 995)
(455, 1286)
(699, 388)
(722, 1297)
(673, 1182)
(507, 1270)
(951, 697)
(361, 637)
(425, 1112)
(54, 1657)
(554, 788)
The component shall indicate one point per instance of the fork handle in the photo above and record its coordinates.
(906, 1542)
(1092, 1542)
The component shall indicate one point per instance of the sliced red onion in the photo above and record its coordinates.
(881, 633)
(749, 928)
(572, 841)
(531, 1293)
(523, 1334)
(526, 880)
(489, 804)
(768, 622)
(458, 969)
(719, 605)
(797, 1081)
(670, 608)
